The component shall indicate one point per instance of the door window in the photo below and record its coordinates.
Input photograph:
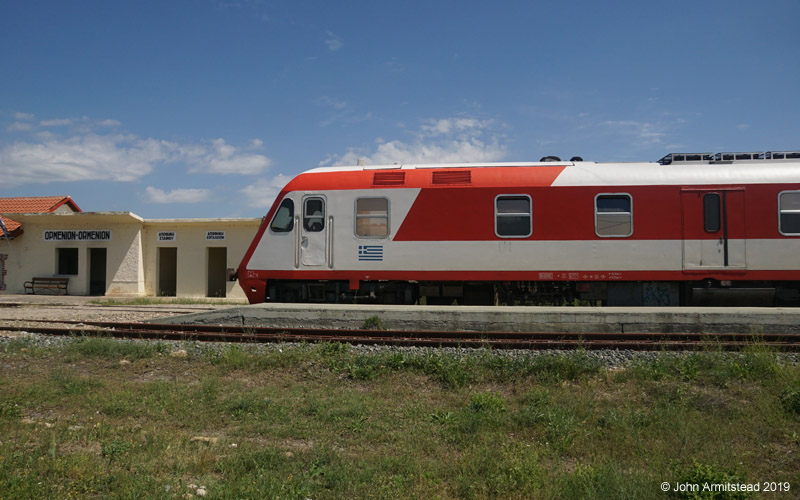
(711, 213)
(314, 215)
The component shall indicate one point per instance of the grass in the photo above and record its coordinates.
(99, 418)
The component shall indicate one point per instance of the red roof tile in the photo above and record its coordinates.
(32, 204)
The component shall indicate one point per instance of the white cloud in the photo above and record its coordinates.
(109, 123)
(20, 127)
(87, 155)
(449, 125)
(59, 122)
(222, 158)
(645, 134)
(262, 193)
(341, 112)
(81, 158)
(328, 102)
(334, 42)
(23, 116)
(448, 140)
(182, 195)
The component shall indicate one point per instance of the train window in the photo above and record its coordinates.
(372, 217)
(283, 222)
(314, 215)
(513, 217)
(711, 213)
(613, 215)
(789, 212)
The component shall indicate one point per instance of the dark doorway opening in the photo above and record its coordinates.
(97, 271)
(217, 262)
(167, 265)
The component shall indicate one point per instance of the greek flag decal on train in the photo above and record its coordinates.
(370, 252)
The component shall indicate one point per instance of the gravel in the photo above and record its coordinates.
(28, 315)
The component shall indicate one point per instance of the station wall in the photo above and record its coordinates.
(119, 254)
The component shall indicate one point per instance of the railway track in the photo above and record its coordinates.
(493, 340)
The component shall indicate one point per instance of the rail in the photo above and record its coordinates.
(494, 340)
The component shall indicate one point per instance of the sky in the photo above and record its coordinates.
(206, 108)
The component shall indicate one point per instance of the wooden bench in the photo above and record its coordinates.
(53, 285)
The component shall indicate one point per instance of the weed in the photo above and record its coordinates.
(248, 405)
(451, 371)
(10, 410)
(373, 323)
(602, 481)
(560, 424)
(557, 367)
(333, 348)
(704, 474)
(487, 403)
(233, 358)
(105, 347)
(118, 403)
(73, 385)
(791, 401)
(114, 450)
(441, 417)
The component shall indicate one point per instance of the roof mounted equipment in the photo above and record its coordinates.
(726, 158)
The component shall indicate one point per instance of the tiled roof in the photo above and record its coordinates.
(32, 204)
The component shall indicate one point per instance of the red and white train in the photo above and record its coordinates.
(553, 231)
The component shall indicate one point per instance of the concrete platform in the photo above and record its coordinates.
(515, 319)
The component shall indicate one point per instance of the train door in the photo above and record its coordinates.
(313, 232)
(713, 229)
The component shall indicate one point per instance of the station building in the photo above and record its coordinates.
(119, 254)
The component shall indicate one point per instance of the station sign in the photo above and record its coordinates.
(215, 235)
(167, 236)
(76, 235)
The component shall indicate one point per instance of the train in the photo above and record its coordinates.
(688, 229)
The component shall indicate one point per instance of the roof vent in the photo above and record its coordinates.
(393, 178)
(452, 177)
(550, 158)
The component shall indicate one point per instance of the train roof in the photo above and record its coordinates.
(550, 161)
(673, 169)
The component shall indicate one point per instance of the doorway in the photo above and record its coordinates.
(713, 229)
(313, 240)
(97, 271)
(217, 261)
(167, 265)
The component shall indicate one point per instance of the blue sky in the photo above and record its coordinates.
(205, 108)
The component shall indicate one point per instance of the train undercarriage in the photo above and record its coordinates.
(546, 293)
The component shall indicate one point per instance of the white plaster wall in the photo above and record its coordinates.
(31, 256)
(191, 244)
(126, 276)
(131, 254)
